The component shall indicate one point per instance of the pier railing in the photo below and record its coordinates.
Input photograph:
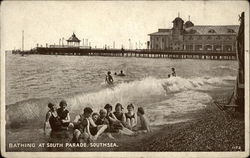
(146, 53)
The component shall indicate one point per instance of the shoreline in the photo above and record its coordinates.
(207, 129)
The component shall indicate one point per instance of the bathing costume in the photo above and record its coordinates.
(63, 114)
(55, 123)
(118, 116)
(130, 117)
(109, 79)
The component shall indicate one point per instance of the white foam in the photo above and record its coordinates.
(180, 103)
(125, 92)
(183, 93)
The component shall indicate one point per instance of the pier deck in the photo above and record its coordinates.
(143, 53)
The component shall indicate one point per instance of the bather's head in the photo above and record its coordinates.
(63, 104)
(52, 107)
(140, 111)
(87, 112)
(95, 116)
(130, 108)
(103, 113)
(108, 107)
(118, 108)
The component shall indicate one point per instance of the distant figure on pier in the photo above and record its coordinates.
(173, 72)
(109, 78)
(121, 73)
(115, 73)
(169, 75)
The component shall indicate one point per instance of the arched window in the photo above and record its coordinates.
(209, 37)
(218, 37)
(211, 31)
(228, 38)
(230, 31)
(192, 31)
(190, 37)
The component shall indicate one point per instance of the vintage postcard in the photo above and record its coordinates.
(124, 78)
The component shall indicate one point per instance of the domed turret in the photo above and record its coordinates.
(188, 24)
(178, 23)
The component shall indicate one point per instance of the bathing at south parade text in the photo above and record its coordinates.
(60, 145)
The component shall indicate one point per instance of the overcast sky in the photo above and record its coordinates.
(103, 22)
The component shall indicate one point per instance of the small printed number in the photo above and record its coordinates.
(236, 147)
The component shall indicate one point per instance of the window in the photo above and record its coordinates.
(230, 31)
(209, 37)
(190, 37)
(162, 39)
(199, 38)
(218, 37)
(211, 31)
(192, 31)
(157, 39)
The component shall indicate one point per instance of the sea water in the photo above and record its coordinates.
(35, 80)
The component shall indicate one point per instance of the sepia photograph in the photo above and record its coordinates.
(125, 78)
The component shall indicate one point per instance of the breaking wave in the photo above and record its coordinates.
(224, 68)
(174, 95)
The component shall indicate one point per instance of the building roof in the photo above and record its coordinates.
(162, 32)
(188, 24)
(178, 19)
(212, 29)
(73, 38)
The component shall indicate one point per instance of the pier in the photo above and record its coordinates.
(140, 53)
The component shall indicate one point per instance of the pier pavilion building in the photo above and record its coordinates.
(73, 41)
(189, 37)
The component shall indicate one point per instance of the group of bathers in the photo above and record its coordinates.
(90, 125)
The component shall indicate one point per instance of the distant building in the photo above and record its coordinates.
(190, 37)
(73, 41)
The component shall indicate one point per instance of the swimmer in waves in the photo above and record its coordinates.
(121, 73)
(109, 79)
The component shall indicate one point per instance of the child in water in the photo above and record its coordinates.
(144, 127)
